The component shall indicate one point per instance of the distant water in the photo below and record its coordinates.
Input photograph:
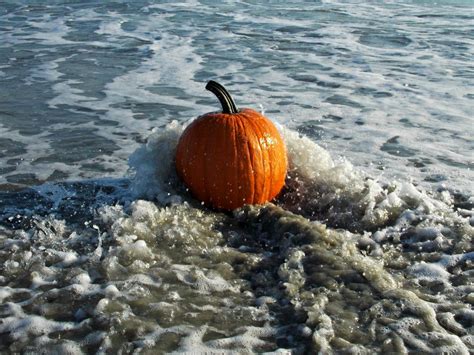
(368, 249)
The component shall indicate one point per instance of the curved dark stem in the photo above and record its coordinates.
(228, 104)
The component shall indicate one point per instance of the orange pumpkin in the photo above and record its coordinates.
(231, 158)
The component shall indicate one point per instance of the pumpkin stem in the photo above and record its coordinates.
(228, 104)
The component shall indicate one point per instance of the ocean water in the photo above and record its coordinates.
(369, 247)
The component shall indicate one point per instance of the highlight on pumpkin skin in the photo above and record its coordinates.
(243, 161)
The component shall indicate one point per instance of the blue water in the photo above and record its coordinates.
(375, 101)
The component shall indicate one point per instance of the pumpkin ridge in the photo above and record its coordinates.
(216, 159)
(234, 127)
(221, 187)
(258, 163)
(249, 159)
(267, 165)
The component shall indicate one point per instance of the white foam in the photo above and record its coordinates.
(51, 31)
(153, 165)
(46, 71)
(430, 271)
(205, 283)
(19, 328)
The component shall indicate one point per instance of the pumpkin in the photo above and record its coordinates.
(231, 158)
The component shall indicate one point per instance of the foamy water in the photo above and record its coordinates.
(369, 247)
